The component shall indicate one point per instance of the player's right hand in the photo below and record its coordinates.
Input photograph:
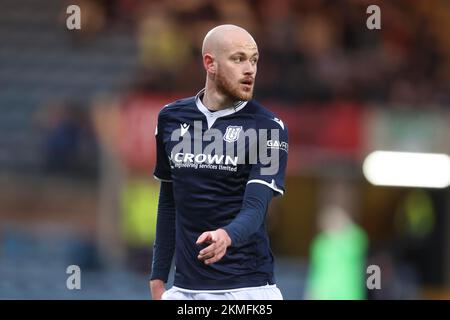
(218, 241)
(157, 289)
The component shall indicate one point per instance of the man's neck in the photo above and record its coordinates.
(214, 100)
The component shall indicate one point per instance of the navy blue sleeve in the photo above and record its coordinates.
(164, 245)
(252, 215)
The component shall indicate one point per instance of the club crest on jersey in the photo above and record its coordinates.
(232, 133)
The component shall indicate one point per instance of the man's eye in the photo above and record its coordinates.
(237, 59)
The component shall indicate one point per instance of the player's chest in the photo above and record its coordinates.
(224, 146)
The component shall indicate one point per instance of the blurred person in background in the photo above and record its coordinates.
(163, 54)
(70, 146)
(139, 206)
(338, 257)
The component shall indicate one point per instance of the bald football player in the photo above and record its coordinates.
(212, 206)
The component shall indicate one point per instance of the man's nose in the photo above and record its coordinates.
(249, 68)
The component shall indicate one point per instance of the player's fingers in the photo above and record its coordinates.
(212, 260)
(208, 250)
(205, 257)
(203, 237)
(218, 255)
(207, 253)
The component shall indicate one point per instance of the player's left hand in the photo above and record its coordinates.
(219, 240)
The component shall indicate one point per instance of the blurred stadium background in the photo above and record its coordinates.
(77, 119)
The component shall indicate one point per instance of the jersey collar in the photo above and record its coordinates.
(211, 117)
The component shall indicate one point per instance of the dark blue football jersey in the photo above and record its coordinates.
(210, 157)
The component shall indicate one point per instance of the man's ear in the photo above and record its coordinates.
(209, 63)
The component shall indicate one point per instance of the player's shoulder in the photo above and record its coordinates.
(174, 107)
(265, 117)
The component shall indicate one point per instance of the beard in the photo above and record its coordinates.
(232, 90)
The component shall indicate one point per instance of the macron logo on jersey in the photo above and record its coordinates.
(184, 128)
